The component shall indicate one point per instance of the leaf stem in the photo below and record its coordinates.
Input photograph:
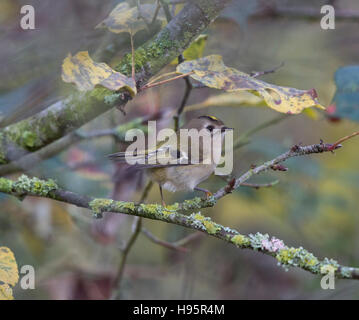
(166, 81)
(334, 146)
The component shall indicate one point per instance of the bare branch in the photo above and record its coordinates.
(30, 160)
(295, 151)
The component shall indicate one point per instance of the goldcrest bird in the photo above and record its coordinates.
(181, 165)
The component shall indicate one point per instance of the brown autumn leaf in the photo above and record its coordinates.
(123, 18)
(86, 74)
(212, 72)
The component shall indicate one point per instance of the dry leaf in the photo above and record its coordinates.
(86, 74)
(6, 292)
(126, 19)
(9, 274)
(212, 72)
(240, 99)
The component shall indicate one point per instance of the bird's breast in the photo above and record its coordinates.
(178, 178)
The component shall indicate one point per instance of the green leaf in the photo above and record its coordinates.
(195, 50)
(212, 72)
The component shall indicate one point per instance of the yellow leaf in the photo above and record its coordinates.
(195, 50)
(6, 292)
(212, 72)
(311, 113)
(86, 74)
(8, 267)
(240, 99)
(9, 275)
(126, 19)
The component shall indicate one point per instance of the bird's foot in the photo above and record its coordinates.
(208, 193)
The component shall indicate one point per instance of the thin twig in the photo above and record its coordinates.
(136, 229)
(132, 58)
(146, 191)
(161, 76)
(295, 151)
(191, 237)
(166, 10)
(187, 80)
(260, 185)
(186, 95)
(156, 13)
(243, 139)
(166, 244)
(231, 181)
(344, 139)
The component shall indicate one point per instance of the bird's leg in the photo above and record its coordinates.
(207, 192)
(163, 201)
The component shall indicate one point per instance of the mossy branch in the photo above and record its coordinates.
(285, 255)
(79, 108)
(34, 158)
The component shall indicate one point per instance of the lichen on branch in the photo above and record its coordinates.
(176, 214)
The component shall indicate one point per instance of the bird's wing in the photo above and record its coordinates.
(164, 156)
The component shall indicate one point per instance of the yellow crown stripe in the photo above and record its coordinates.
(213, 118)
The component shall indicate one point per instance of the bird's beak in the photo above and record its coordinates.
(224, 129)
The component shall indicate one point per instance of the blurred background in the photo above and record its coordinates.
(315, 205)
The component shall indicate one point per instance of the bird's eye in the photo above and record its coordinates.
(210, 128)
